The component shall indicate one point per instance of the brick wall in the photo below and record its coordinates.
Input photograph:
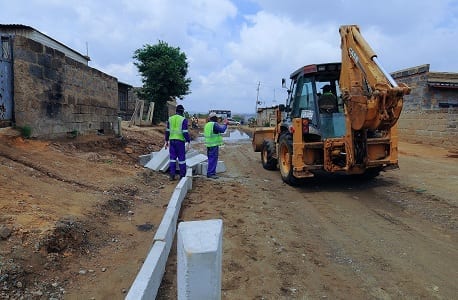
(421, 120)
(430, 127)
(56, 95)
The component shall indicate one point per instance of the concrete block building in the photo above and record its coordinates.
(266, 116)
(430, 112)
(50, 88)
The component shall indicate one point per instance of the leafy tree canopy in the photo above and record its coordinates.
(163, 69)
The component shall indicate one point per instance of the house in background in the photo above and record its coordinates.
(11, 30)
(127, 99)
(266, 116)
(430, 90)
(50, 88)
(430, 112)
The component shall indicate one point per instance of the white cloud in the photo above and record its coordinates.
(269, 48)
(234, 45)
(126, 73)
(279, 41)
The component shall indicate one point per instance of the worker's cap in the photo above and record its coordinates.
(180, 108)
(212, 114)
(326, 87)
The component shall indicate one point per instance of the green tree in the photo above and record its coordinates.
(163, 69)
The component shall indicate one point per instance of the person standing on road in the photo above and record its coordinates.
(178, 141)
(213, 139)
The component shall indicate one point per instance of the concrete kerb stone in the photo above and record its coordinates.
(158, 160)
(192, 162)
(167, 229)
(149, 278)
(144, 159)
(179, 193)
(203, 167)
(189, 175)
(199, 261)
(183, 184)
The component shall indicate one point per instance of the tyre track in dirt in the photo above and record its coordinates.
(335, 237)
(43, 171)
(73, 214)
(388, 246)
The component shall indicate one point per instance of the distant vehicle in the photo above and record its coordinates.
(221, 114)
(232, 122)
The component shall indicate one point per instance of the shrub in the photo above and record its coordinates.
(26, 131)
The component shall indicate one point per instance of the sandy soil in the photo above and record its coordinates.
(78, 216)
(336, 237)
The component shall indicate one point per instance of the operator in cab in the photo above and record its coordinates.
(328, 101)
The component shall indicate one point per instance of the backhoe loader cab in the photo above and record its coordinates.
(314, 95)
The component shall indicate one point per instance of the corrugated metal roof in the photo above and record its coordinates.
(443, 77)
(124, 84)
(17, 27)
(443, 80)
(435, 79)
(411, 71)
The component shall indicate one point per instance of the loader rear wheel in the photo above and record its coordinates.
(285, 153)
(268, 155)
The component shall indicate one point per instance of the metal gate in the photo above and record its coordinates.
(6, 82)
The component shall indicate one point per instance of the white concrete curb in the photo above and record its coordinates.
(148, 280)
(199, 251)
(159, 161)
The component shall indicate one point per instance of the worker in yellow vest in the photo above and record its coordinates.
(177, 140)
(213, 139)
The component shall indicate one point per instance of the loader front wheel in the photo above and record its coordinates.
(285, 154)
(268, 155)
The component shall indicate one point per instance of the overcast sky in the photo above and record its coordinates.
(232, 46)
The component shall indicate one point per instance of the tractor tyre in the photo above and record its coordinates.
(268, 155)
(285, 153)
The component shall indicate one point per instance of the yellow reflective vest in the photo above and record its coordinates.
(212, 139)
(175, 126)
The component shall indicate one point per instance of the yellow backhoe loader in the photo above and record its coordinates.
(338, 118)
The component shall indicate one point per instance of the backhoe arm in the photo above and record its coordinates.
(372, 98)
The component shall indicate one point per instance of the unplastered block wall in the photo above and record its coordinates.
(416, 78)
(56, 95)
(431, 127)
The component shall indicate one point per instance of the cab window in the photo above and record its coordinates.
(303, 97)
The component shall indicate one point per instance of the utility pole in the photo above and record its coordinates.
(257, 97)
(275, 100)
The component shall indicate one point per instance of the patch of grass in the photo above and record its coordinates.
(26, 131)
(72, 134)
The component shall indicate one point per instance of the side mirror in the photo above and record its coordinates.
(283, 83)
(281, 107)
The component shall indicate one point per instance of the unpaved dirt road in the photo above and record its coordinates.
(336, 237)
(78, 216)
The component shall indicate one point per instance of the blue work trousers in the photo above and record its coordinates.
(177, 154)
(212, 154)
